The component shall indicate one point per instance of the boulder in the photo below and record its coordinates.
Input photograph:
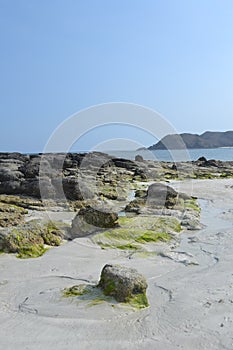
(89, 220)
(135, 205)
(139, 158)
(202, 161)
(123, 283)
(160, 195)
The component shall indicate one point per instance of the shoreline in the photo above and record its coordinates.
(189, 277)
(189, 290)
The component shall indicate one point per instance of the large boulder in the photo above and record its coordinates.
(161, 195)
(89, 220)
(124, 284)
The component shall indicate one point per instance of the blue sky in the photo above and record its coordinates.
(60, 56)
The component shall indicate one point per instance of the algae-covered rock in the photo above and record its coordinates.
(22, 202)
(124, 284)
(28, 240)
(11, 215)
(25, 240)
(88, 220)
(134, 233)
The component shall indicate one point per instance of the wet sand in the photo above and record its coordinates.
(190, 290)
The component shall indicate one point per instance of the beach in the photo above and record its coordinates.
(189, 289)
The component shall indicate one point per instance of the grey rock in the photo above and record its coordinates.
(139, 158)
(121, 282)
(161, 195)
(89, 220)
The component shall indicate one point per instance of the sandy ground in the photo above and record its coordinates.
(190, 291)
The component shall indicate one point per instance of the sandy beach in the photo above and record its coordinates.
(190, 290)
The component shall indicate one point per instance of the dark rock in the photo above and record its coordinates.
(71, 188)
(161, 195)
(140, 193)
(122, 283)
(124, 163)
(139, 158)
(89, 220)
(135, 205)
(140, 173)
(202, 159)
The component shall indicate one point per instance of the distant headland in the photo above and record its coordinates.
(208, 139)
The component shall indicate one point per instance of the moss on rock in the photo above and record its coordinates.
(28, 240)
(135, 232)
(11, 215)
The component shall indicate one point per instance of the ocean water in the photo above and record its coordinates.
(224, 154)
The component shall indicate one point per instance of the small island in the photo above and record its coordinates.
(208, 139)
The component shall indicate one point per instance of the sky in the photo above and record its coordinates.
(59, 57)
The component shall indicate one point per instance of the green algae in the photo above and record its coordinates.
(226, 175)
(31, 251)
(93, 295)
(135, 232)
(28, 240)
(192, 204)
(78, 290)
(151, 236)
(90, 294)
(138, 301)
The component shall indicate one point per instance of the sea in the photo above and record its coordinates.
(224, 154)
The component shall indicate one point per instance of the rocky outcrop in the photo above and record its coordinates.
(57, 176)
(28, 239)
(124, 284)
(203, 162)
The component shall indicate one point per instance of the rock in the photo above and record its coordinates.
(89, 220)
(161, 195)
(135, 205)
(174, 167)
(202, 159)
(123, 283)
(25, 240)
(21, 202)
(139, 173)
(11, 215)
(140, 193)
(139, 158)
(28, 239)
(124, 163)
(71, 189)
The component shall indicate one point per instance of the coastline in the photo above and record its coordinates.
(190, 303)
(189, 278)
